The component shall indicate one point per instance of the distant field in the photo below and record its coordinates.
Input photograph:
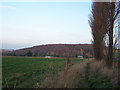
(23, 72)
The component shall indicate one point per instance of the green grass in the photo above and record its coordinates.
(23, 72)
(95, 80)
(98, 81)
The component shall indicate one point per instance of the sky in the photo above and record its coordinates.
(27, 24)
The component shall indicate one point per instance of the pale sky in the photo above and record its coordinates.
(26, 24)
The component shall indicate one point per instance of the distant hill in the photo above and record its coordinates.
(58, 50)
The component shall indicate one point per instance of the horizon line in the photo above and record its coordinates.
(45, 44)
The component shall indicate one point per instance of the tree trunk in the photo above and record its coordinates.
(110, 49)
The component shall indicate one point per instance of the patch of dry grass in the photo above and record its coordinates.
(112, 74)
(69, 76)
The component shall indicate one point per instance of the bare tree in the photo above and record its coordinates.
(99, 23)
(102, 23)
(114, 11)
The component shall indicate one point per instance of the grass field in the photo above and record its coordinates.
(27, 71)
(30, 72)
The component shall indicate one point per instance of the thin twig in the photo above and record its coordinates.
(15, 84)
(34, 80)
(6, 83)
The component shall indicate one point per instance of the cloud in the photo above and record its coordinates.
(8, 7)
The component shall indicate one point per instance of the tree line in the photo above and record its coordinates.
(43, 54)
